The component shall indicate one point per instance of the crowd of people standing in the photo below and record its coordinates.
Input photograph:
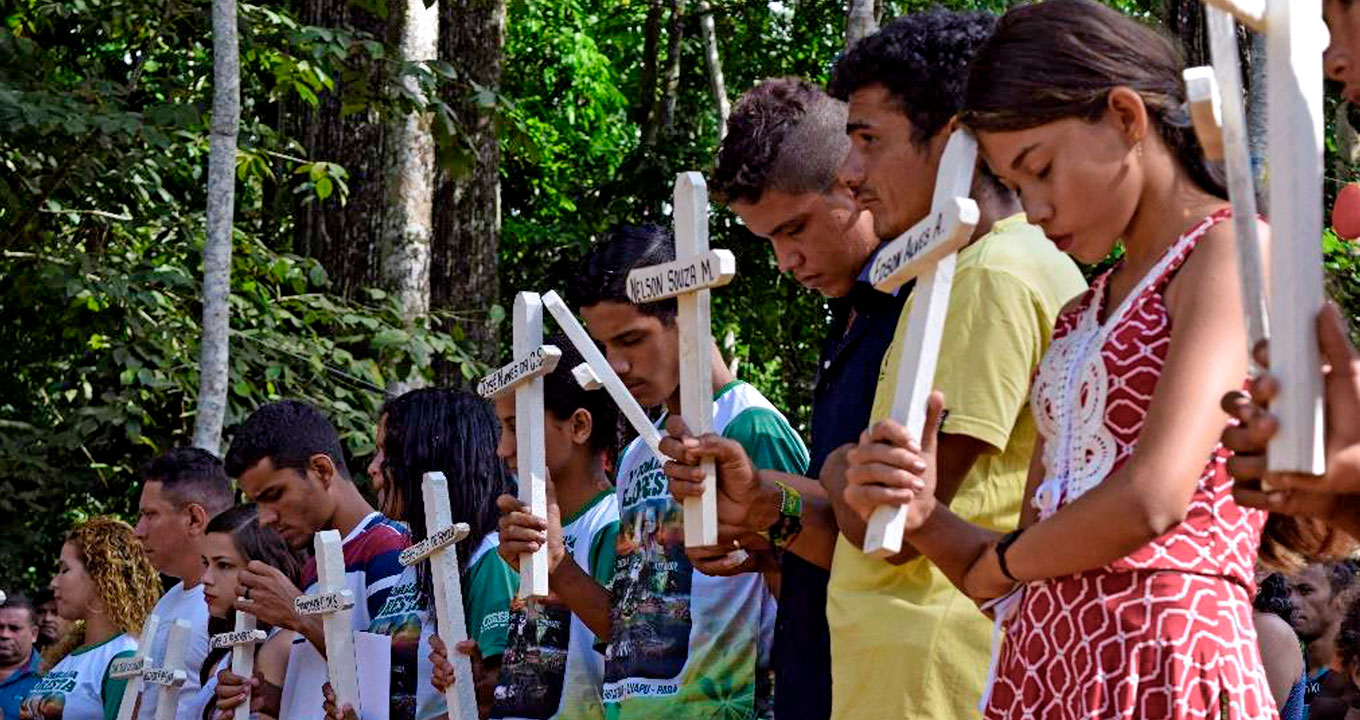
(1087, 532)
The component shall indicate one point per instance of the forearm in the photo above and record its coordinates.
(311, 627)
(951, 543)
(816, 541)
(848, 522)
(585, 596)
(1106, 524)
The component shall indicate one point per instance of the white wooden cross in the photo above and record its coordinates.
(689, 278)
(171, 674)
(448, 590)
(596, 373)
(1295, 35)
(335, 603)
(242, 642)
(524, 375)
(927, 252)
(132, 668)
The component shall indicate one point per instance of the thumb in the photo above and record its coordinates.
(934, 418)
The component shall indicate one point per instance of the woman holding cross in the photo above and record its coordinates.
(232, 539)
(1127, 592)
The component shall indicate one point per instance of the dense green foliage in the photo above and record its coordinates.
(103, 145)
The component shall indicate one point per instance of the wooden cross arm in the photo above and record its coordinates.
(541, 361)
(231, 639)
(1251, 13)
(127, 667)
(324, 603)
(434, 543)
(164, 677)
(1206, 109)
(920, 248)
(714, 268)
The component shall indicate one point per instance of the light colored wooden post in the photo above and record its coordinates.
(1295, 36)
(170, 676)
(335, 603)
(596, 373)
(926, 252)
(689, 279)
(1217, 107)
(131, 669)
(448, 589)
(242, 642)
(524, 375)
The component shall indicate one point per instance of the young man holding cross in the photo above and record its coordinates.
(182, 490)
(551, 668)
(777, 169)
(288, 460)
(681, 643)
(1009, 285)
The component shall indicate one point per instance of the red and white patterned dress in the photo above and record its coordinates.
(1165, 632)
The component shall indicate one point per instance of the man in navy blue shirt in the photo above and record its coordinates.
(18, 659)
(777, 170)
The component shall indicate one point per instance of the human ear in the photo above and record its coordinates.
(324, 468)
(582, 424)
(198, 518)
(1127, 111)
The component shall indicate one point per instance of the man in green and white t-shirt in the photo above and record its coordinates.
(550, 668)
(681, 643)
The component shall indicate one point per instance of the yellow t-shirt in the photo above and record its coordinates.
(904, 642)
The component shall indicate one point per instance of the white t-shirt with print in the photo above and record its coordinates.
(74, 689)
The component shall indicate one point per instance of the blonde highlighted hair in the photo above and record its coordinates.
(125, 581)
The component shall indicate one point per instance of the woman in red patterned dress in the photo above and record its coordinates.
(1128, 592)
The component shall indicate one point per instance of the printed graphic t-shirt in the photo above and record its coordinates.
(406, 617)
(79, 687)
(179, 604)
(372, 569)
(685, 644)
(551, 669)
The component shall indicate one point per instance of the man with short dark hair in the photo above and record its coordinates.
(905, 642)
(681, 644)
(777, 170)
(287, 459)
(51, 626)
(1319, 595)
(181, 491)
(18, 658)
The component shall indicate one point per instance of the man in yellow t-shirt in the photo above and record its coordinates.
(905, 643)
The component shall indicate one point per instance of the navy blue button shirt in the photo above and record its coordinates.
(847, 375)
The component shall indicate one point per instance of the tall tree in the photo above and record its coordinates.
(342, 231)
(406, 230)
(861, 21)
(226, 119)
(714, 62)
(467, 216)
(662, 117)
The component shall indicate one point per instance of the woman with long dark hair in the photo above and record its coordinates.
(232, 539)
(453, 432)
(1127, 593)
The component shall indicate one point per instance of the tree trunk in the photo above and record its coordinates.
(226, 119)
(651, 40)
(467, 214)
(714, 61)
(861, 21)
(663, 115)
(344, 238)
(406, 228)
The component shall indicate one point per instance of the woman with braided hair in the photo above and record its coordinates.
(105, 584)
